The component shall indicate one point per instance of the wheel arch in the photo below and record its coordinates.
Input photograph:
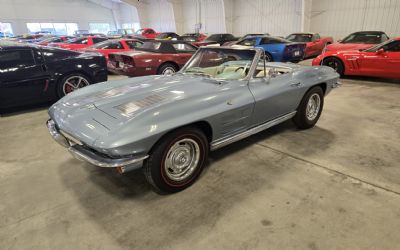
(202, 125)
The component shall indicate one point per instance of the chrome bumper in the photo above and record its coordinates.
(83, 154)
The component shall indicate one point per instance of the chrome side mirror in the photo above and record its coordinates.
(272, 73)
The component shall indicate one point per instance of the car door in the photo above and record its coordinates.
(391, 64)
(274, 96)
(23, 77)
(384, 62)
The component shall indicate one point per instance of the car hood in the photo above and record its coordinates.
(348, 46)
(100, 109)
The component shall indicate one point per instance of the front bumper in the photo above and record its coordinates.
(82, 153)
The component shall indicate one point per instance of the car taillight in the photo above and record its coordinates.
(286, 52)
(128, 60)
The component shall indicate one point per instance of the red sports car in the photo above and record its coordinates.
(315, 44)
(382, 60)
(112, 46)
(153, 57)
(79, 42)
(55, 39)
(359, 40)
(147, 33)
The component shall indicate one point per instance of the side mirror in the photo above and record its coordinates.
(380, 51)
(272, 73)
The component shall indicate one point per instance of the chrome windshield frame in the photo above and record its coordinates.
(253, 64)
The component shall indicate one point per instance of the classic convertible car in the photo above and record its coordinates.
(168, 124)
(382, 60)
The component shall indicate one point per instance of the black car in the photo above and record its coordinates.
(167, 36)
(34, 74)
(217, 39)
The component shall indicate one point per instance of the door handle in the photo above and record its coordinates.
(295, 84)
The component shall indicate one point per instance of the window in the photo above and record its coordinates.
(99, 28)
(16, 58)
(392, 47)
(79, 40)
(272, 40)
(53, 28)
(316, 37)
(151, 45)
(133, 44)
(6, 30)
(248, 42)
(183, 47)
(108, 45)
(99, 39)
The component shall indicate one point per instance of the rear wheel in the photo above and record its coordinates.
(310, 108)
(167, 69)
(335, 64)
(268, 57)
(177, 160)
(72, 82)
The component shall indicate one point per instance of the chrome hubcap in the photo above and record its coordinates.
(168, 71)
(74, 83)
(313, 106)
(182, 159)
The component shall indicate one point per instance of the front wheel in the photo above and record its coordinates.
(310, 108)
(334, 63)
(72, 82)
(177, 160)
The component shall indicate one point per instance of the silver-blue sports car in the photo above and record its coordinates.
(168, 124)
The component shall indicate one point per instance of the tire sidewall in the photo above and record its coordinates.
(301, 119)
(155, 163)
(166, 66)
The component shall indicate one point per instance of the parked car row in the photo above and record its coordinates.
(32, 73)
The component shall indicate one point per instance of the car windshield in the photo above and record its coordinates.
(303, 38)
(214, 38)
(365, 38)
(151, 46)
(221, 64)
(164, 35)
(79, 40)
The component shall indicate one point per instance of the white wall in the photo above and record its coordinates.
(277, 17)
(156, 14)
(210, 13)
(342, 17)
(20, 12)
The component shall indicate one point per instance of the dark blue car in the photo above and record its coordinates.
(276, 49)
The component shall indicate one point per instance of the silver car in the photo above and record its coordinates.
(168, 124)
